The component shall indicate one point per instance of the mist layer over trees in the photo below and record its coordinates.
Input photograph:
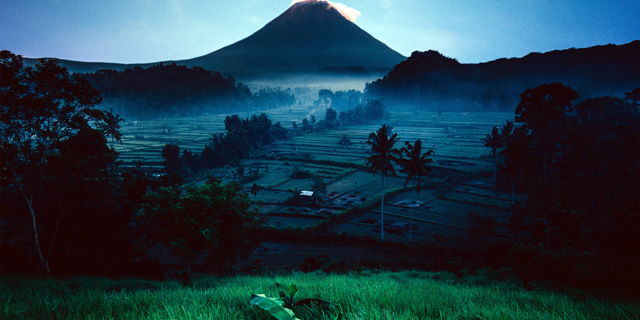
(431, 81)
(175, 90)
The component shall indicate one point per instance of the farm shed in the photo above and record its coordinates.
(307, 197)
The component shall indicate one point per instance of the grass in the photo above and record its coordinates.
(365, 295)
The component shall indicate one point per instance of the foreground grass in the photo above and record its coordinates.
(387, 295)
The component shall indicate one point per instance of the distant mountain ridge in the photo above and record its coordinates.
(429, 79)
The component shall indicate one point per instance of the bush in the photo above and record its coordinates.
(311, 263)
(301, 174)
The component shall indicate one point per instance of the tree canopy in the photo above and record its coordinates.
(58, 167)
(171, 89)
(382, 160)
(580, 165)
(215, 219)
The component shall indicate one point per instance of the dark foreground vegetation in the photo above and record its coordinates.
(68, 210)
(365, 294)
(579, 164)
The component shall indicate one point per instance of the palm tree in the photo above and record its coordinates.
(415, 165)
(494, 141)
(111, 126)
(254, 190)
(381, 160)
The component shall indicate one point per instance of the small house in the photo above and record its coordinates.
(307, 197)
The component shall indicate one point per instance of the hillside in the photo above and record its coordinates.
(431, 80)
(368, 294)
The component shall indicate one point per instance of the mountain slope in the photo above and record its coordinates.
(307, 37)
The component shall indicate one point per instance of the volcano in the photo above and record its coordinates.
(310, 36)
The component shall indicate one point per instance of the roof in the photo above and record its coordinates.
(306, 193)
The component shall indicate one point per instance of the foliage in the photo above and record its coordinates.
(581, 173)
(378, 295)
(319, 185)
(301, 174)
(481, 227)
(281, 307)
(111, 126)
(345, 140)
(243, 137)
(213, 218)
(171, 89)
(494, 141)
(330, 120)
(415, 165)
(171, 155)
(56, 170)
(384, 155)
(339, 100)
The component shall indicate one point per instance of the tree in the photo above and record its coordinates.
(111, 126)
(254, 191)
(518, 158)
(319, 185)
(84, 210)
(40, 108)
(331, 115)
(305, 125)
(384, 155)
(544, 104)
(415, 165)
(544, 111)
(324, 97)
(171, 155)
(374, 110)
(214, 218)
(494, 141)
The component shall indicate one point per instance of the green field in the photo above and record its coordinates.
(363, 295)
(450, 135)
(456, 139)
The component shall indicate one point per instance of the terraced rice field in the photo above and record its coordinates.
(456, 139)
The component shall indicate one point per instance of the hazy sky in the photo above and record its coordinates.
(137, 31)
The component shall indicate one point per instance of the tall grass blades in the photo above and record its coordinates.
(367, 295)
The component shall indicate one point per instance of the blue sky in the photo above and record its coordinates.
(139, 31)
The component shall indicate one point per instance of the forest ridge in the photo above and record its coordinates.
(430, 79)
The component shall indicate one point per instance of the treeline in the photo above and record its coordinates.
(344, 108)
(579, 163)
(242, 138)
(435, 82)
(175, 90)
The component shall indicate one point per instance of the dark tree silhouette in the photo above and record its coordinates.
(254, 191)
(494, 141)
(416, 167)
(111, 126)
(40, 108)
(171, 155)
(384, 155)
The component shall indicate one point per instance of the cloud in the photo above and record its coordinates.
(350, 14)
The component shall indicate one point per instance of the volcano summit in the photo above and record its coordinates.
(310, 36)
